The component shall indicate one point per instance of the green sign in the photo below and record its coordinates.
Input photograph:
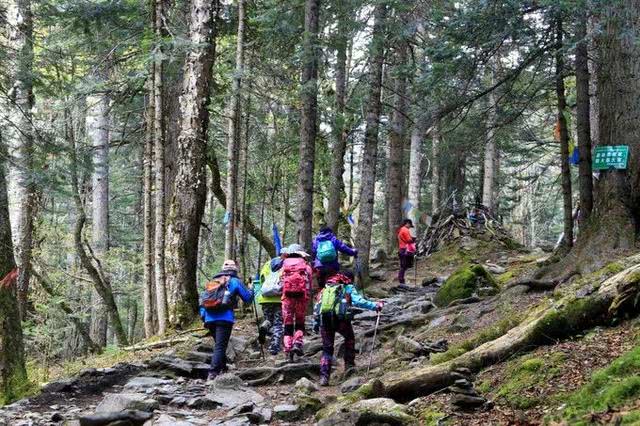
(611, 157)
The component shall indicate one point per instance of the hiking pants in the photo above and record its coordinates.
(406, 262)
(293, 313)
(328, 332)
(221, 331)
(273, 313)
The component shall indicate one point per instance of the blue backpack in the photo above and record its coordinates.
(326, 252)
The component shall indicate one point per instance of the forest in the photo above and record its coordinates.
(144, 144)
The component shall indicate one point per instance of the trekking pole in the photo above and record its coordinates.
(373, 345)
(261, 337)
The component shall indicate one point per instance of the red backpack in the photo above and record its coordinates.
(295, 279)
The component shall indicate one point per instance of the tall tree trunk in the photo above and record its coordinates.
(582, 117)
(491, 154)
(396, 148)
(370, 152)
(159, 132)
(435, 168)
(187, 205)
(340, 132)
(149, 299)
(615, 218)
(234, 142)
(415, 167)
(96, 274)
(97, 125)
(18, 133)
(13, 373)
(565, 170)
(308, 124)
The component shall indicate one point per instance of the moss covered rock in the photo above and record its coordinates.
(463, 283)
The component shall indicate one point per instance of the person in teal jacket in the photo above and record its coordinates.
(329, 324)
(220, 323)
(271, 307)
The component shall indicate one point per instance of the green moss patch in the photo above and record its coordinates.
(463, 283)
(610, 387)
(527, 373)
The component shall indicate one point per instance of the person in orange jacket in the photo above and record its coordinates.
(406, 248)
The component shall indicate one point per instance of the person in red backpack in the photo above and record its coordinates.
(296, 279)
(406, 248)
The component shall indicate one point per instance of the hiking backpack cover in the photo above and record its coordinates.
(272, 285)
(326, 252)
(213, 297)
(295, 278)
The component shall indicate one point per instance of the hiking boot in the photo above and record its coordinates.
(297, 349)
(324, 381)
(288, 356)
(349, 370)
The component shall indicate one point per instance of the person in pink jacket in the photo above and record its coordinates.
(296, 281)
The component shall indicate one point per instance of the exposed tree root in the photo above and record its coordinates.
(565, 318)
(287, 373)
(544, 285)
(156, 345)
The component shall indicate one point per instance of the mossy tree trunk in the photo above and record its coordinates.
(12, 369)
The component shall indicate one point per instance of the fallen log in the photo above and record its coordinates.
(156, 345)
(565, 318)
(543, 285)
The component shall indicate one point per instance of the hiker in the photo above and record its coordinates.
(268, 295)
(407, 248)
(296, 275)
(325, 250)
(217, 303)
(333, 314)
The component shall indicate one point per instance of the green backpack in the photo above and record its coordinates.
(335, 302)
(326, 252)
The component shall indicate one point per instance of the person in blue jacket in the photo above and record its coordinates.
(220, 322)
(326, 262)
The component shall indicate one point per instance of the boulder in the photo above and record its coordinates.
(371, 411)
(167, 420)
(114, 402)
(463, 284)
(307, 386)
(352, 384)
(495, 269)
(229, 391)
(233, 421)
(180, 366)
(203, 357)
(143, 382)
(127, 417)
(286, 412)
(405, 345)
(237, 345)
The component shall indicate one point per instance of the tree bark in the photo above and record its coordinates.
(435, 168)
(159, 132)
(13, 374)
(97, 128)
(370, 152)
(187, 205)
(615, 218)
(491, 154)
(396, 149)
(233, 145)
(149, 294)
(583, 117)
(18, 133)
(565, 170)
(308, 123)
(340, 132)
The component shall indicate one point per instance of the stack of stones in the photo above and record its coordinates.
(463, 394)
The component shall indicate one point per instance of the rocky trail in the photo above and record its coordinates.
(459, 303)
(169, 388)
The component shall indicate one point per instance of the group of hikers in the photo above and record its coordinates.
(284, 291)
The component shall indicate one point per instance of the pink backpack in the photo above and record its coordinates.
(295, 279)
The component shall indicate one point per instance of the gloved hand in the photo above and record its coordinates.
(379, 306)
(355, 254)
